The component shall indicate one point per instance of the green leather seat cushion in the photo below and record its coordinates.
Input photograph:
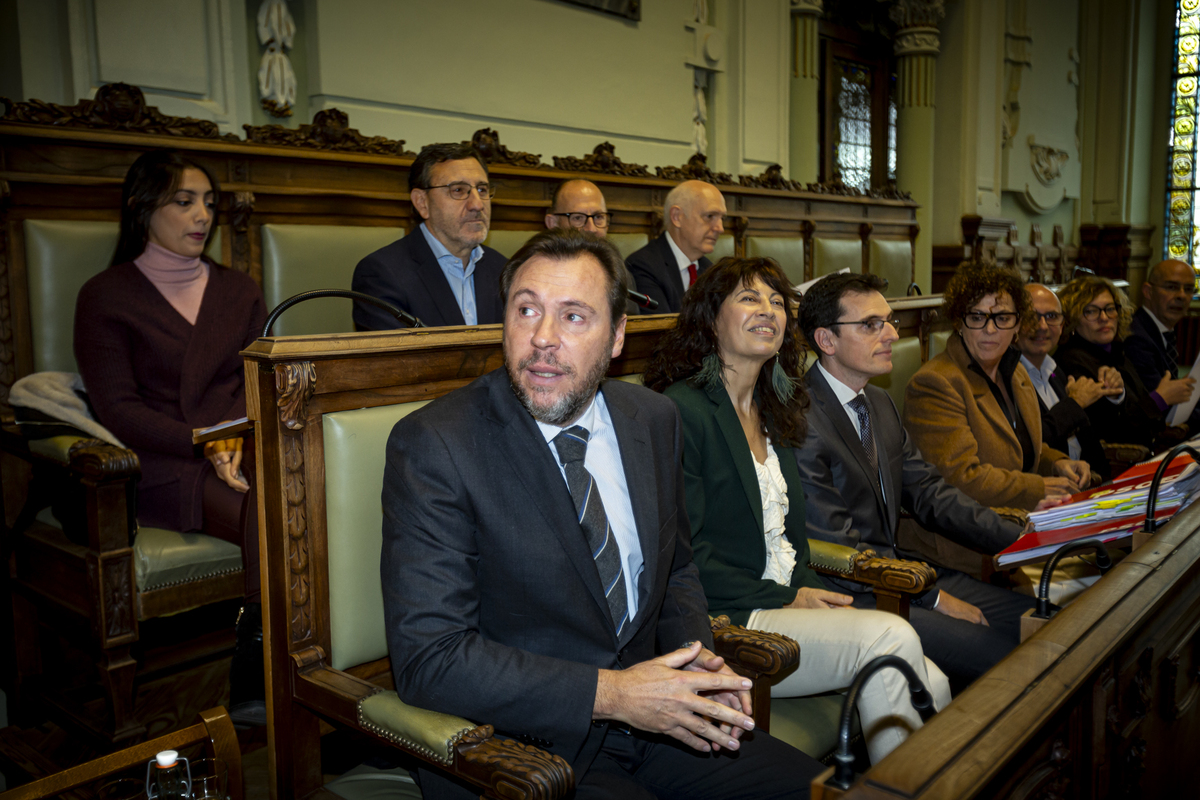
(937, 342)
(56, 447)
(164, 558)
(369, 783)
(726, 246)
(832, 255)
(433, 733)
(300, 258)
(507, 242)
(787, 251)
(355, 445)
(810, 724)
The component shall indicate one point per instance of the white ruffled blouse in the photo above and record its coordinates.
(781, 556)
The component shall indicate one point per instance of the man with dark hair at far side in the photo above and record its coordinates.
(441, 272)
(859, 468)
(558, 600)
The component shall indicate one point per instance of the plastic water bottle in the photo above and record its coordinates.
(168, 777)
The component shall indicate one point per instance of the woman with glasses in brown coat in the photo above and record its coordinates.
(972, 410)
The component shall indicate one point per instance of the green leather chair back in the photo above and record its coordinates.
(628, 243)
(833, 255)
(506, 243)
(300, 258)
(786, 250)
(355, 445)
(60, 256)
(726, 246)
(892, 260)
(906, 360)
(937, 342)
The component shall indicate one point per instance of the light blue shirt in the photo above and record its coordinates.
(603, 461)
(1040, 378)
(462, 281)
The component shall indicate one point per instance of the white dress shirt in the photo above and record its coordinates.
(845, 395)
(603, 461)
(683, 262)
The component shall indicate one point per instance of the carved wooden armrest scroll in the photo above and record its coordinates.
(99, 460)
(750, 651)
(512, 769)
(893, 574)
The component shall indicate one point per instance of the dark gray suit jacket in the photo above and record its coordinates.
(842, 492)
(406, 274)
(493, 603)
(657, 274)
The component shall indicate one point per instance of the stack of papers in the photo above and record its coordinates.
(1109, 512)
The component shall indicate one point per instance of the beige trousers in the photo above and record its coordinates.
(835, 644)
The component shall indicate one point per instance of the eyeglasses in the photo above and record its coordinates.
(1171, 287)
(578, 219)
(874, 325)
(1093, 312)
(462, 190)
(1050, 317)
(1003, 320)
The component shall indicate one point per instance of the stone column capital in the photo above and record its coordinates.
(813, 7)
(917, 13)
(921, 40)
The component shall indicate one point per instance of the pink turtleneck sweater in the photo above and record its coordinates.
(178, 278)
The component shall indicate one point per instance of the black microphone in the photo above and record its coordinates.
(643, 300)
(400, 314)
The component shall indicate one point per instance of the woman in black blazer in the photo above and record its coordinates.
(732, 366)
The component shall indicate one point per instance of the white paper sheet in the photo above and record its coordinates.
(1180, 413)
(804, 287)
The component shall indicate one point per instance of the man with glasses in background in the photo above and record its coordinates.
(441, 272)
(580, 204)
(1063, 400)
(859, 468)
(1151, 345)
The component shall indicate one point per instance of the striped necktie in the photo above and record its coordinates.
(1170, 340)
(572, 447)
(859, 404)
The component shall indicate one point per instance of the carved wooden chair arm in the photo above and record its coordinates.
(1016, 516)
(505, 768)
(99, 460)
(866, 566)
(1123, 456)
(753, 653)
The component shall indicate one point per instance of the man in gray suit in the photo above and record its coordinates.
(859, 469)
(537, 564)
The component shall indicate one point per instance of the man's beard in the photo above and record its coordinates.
(571, 404)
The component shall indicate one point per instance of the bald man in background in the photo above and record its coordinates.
(1151, 346)
(580, 204)
(693, 218)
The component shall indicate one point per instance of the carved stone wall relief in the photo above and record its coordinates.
(276, 79)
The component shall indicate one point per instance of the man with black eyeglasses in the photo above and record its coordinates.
(1151, 345)
(1063, 400)
(441, 272)
(580, 204)
(859, 468)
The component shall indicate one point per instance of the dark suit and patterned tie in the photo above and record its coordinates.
(502, 599)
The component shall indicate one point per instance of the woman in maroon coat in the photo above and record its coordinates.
(157, 337)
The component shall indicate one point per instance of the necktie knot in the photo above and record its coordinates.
(572, 444)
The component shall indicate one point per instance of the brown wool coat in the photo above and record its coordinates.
(954, 419)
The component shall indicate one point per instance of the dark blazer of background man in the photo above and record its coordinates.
(1065, 423)
(849, 503)
(1166, 296)
(494, 605)
(693, 219)
(458, 284)
(580, 204)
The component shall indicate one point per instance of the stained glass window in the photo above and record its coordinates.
(1182, 223)
(852, 147)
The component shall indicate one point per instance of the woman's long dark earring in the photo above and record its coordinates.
(783, 384)
(710, 370)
